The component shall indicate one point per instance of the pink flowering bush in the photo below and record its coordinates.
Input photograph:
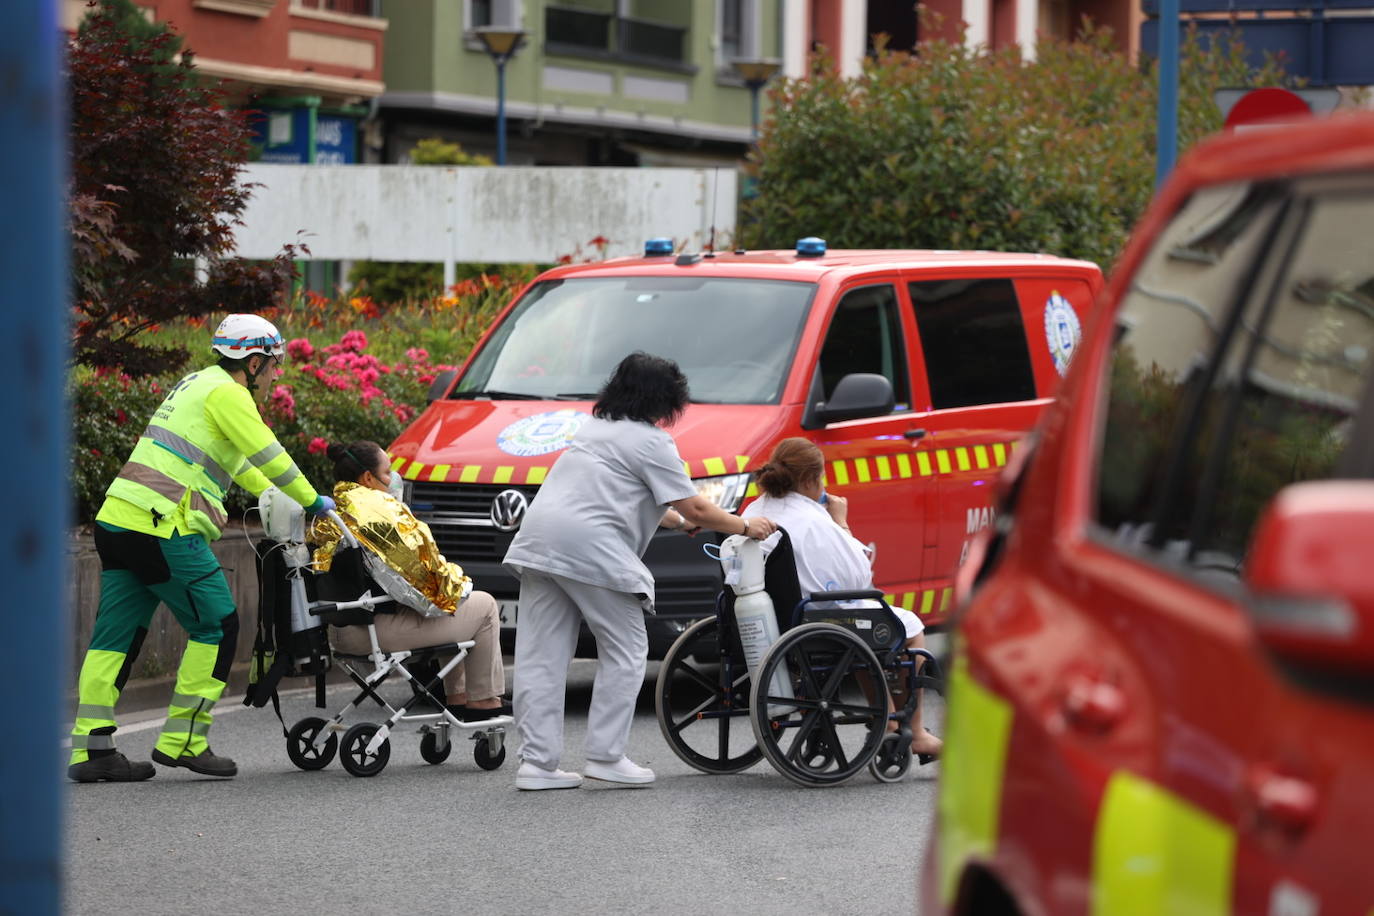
(110, 410)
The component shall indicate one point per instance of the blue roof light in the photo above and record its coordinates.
(810, 247)
(657, 247)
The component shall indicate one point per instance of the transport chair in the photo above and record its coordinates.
(358, 586)
(834, 694)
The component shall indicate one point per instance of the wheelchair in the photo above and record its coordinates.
(827, 693)
(357, 587)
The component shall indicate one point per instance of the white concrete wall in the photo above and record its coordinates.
(513, 214)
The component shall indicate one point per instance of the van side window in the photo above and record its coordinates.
(1170, 325)
(866, 336)
(974, 342)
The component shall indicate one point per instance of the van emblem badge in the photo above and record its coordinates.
(1062, 330)
(508, 510)
(541, 433)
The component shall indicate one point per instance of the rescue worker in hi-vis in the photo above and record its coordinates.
(153, 535)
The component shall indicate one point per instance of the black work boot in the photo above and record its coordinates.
(204, 763)
(113, 767)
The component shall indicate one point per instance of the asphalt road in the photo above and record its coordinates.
(421, 839)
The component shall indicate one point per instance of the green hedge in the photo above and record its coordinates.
(952, 148)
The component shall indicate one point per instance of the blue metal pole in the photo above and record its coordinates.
(33, 534)
(500, 111)
(1166, 138)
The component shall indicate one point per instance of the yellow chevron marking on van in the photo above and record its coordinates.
(903, 465)
(961, 458)
(890, 599)
(413, 471)
(469, 473)
(861, 470)
(942, 461)
(396, 464)
(687, 469)
(884, 470)
(502, 474)
(927, 602)
(741, 462)
(751, 491)
(440, 472)
(999, 454)
(909, 600)
(923, 463)
(714, 466)
(980, 456)
(841, 473)
(944, 599)
(536, 475)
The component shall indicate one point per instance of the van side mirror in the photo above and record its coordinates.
(858, 395)
(439, 387)
(1312, 592)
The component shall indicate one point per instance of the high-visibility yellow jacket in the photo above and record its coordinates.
(206, 433)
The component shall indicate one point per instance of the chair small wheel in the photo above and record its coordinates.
(300, 746)
(481, 752)
(892, 760)
(354, 756)
(431, 751)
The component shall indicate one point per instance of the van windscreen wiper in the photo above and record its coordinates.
(496, 395)
(575, 396)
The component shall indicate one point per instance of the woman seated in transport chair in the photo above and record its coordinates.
(377, 517)
(829, 557)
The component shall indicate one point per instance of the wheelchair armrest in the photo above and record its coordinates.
(850, 595)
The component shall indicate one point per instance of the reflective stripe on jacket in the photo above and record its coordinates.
(206, 433)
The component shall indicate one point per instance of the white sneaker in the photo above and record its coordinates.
(532, 777)
(624, 771)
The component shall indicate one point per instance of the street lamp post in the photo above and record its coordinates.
(756, 72)
(501, 44)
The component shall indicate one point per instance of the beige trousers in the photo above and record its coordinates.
(477, 618)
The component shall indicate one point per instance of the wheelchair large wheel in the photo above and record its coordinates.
(834, 721)
(300, 745)
(702, 700)
(354, 756)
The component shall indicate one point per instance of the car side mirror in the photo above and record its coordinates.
(1312, 591)
(858, 395)
(439, 387)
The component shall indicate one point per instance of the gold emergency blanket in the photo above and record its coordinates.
(385, 524)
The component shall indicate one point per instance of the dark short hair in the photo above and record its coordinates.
(644, 387)
(350, 461)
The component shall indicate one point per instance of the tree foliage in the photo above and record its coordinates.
(957, 148)
(155, 184)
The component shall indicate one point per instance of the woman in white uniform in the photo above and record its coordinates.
(829, 557)
(578, 556)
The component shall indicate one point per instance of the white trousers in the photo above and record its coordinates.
(551, 610)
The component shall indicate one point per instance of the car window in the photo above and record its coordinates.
(1286, 399)
(974, 342)
(1171, 321)
(1239, 372)
(866, 336)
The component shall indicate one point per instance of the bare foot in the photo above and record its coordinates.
(926, 743)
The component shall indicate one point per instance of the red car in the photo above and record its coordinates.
(1162, 699)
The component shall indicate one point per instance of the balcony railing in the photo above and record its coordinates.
(349, 7)
(586, 33)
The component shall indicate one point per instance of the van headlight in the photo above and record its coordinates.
(727, 491)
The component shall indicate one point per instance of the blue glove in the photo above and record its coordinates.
(321, 505)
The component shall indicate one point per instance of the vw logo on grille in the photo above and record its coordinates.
(508, 510)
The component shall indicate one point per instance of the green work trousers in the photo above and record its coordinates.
(137, 572)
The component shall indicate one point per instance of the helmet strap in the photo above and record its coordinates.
(251, 378)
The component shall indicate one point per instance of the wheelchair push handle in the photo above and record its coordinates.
(348, 539)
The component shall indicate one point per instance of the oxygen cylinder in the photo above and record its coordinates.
(742, 558)
(283, 520)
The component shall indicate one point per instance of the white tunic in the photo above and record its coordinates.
(828, 558)
(597, 510)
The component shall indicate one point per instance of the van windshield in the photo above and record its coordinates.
(733, 338)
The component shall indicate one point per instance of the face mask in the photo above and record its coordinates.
(396, 485)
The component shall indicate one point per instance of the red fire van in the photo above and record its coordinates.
(916, 372)
(1162, 699)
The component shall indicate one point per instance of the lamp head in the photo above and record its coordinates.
(500, 42)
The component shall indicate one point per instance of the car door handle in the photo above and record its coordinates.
(1286, 802)
(1093, 705)
(915, 434)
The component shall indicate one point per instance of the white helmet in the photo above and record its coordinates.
(239, 336)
